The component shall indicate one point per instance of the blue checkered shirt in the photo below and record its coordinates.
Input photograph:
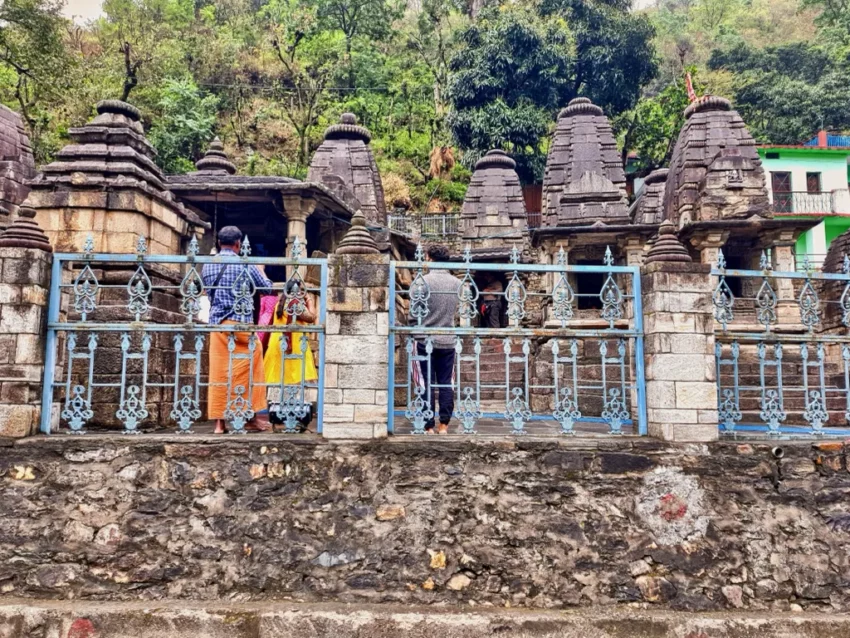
(222, 299)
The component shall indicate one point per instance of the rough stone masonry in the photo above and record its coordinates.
(548, 525)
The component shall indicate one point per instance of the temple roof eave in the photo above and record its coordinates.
(545, 232)
(194, 188)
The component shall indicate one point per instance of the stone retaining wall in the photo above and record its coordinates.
(698, 527)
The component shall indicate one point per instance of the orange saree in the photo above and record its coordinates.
(220, 363)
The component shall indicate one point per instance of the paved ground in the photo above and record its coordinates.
(50, 619)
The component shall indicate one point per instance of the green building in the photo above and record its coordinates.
(811, 181)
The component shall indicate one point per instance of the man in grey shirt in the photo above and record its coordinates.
(442, 311)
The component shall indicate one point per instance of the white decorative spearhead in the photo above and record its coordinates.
(721, 259)
(609, 257)
(194, 248)
(245, 251)
(297, 248)
(88, 246)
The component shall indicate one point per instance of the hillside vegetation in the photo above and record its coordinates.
(438, 82)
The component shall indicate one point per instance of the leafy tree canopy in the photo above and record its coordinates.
(517, 65)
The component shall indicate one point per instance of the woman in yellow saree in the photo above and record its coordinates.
(299, 357)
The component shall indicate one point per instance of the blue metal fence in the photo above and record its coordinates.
(134, 351)
(579, 370)
(782, 350)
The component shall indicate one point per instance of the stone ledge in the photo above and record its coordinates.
(171, 619)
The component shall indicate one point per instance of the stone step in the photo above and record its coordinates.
(271, 619)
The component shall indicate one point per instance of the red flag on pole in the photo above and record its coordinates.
(692, 96)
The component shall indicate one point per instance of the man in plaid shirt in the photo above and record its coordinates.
(220, 281)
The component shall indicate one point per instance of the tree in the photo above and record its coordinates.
(308, 57)
(516, 67)
(146, 36)
(183, 125)
(786, 93)
(33, 55)
(650, 129)
(355, 18)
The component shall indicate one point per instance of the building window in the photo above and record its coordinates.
(813, 183)
(781, 186)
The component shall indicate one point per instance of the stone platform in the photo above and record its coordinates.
(37, 619)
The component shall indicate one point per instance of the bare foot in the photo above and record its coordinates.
(219, 427)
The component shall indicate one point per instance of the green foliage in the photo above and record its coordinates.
(183, 125)
(35, 66)
(517, 66)
(270, 75)
(651, 128)
(787, 93)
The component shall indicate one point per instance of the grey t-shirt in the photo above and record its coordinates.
(442, 305)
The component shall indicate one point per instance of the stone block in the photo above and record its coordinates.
(367, 275)
(678, 367)
(695, 433)
(21, 319)
(358, 324)
(347, 300)
(18, 421)
(332, 325)
(331, 375)
(708, 416)
(673, 416)
(696, 395)
(35, 295)
(366, 397)
(355, 349)
(661, 394)
(29, 349)
(28, 268)
(333, 395)
(362, 376)
(382, 324)
(370, 413)
(354, 430)
(10, 293)
(338, 413)
(381, 397)
(689, 344)
(377, 300)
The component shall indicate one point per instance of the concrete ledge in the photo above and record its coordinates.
(37, 619)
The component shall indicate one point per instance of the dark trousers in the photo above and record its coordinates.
(442, 364)
(492, 315)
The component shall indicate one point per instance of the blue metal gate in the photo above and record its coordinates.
(581, 369)
(135, 348)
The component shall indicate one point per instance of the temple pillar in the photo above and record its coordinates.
(707, 243)
(681, 387)
(25, 269)
(297, 209)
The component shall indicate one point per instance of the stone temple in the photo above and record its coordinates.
(337, 533)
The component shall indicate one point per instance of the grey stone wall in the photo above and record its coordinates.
(696, 527)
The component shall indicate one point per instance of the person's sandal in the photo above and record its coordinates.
(443, 428)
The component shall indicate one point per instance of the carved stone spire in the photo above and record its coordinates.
(346, 165)
(24, 232)
(667, 246)
(358, 240)
(584, 181)
(215, 160)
